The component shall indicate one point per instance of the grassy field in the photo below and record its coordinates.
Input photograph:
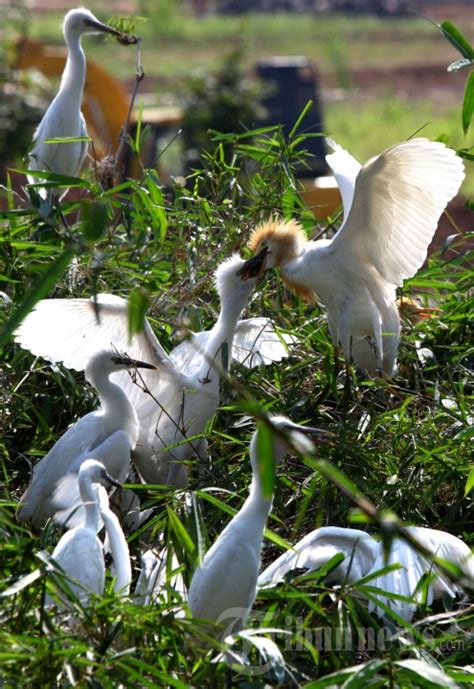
(177, 46)
(175, 42)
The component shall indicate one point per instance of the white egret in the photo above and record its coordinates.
(364, 555)
(154, 576)
(79, 553)
(185, 392)
(413, 566)
(64, 118)
(224, 585)
(359, 548)
(109, 434)
(118, 545)
(390, 217)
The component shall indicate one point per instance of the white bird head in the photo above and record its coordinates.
(275, 242)
(81, 21)
(228, 279)
(288, 435)
(92, 471)
(108, 362)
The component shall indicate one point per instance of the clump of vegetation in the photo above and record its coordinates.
(225, 101)
(405, 444)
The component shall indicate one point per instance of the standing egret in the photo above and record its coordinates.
(79, 553)
(185, 391)
(390, 217)
(109, 434)
(117, 543)
(64, 118)
(224, 585)
(364, 556)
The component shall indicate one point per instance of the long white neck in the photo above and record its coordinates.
(74, 75)
(257, 507)
(90, 498)
(118, 545)
(118, 411)
(224, 329)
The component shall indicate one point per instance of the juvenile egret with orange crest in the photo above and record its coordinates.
(392, 205)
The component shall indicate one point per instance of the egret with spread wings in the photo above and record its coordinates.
(392, 205)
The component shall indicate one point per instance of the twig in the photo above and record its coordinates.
(139, 76)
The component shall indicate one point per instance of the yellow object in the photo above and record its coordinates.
(321, 195)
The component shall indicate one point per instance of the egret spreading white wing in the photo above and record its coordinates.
(364, 556)
(388, 224)
(182, 395)
(319, 547)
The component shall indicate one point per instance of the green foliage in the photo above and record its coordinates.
(405, 444)
(225, 101)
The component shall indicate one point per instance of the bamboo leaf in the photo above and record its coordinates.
(266, 462)
(138, 303)
(456, 38)
(468, 103)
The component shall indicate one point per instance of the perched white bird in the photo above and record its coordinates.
(79, 553)
(154, 576)
(117, 543)
(390, 216)
(108, 434)
(364, 555)
(224, 585)
(185, 391)
(63, 118)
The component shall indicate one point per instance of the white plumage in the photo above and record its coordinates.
(185, 388)
(118, 545)
(79, 552)
(108, 434)
(364, 556)
(63, 117)
(392, 205)
(224, 585)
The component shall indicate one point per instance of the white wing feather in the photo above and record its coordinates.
(345, 168)
(398, 199)
(320, 546)
(256, 343)
(73, 330)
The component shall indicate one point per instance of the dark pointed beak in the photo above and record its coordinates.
(133, 363)
(112, 481)
(319, 433)
(103, 28)
(254, 266)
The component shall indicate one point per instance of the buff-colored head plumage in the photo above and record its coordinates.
(285, 240)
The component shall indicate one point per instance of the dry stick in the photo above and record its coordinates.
(139, 76)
